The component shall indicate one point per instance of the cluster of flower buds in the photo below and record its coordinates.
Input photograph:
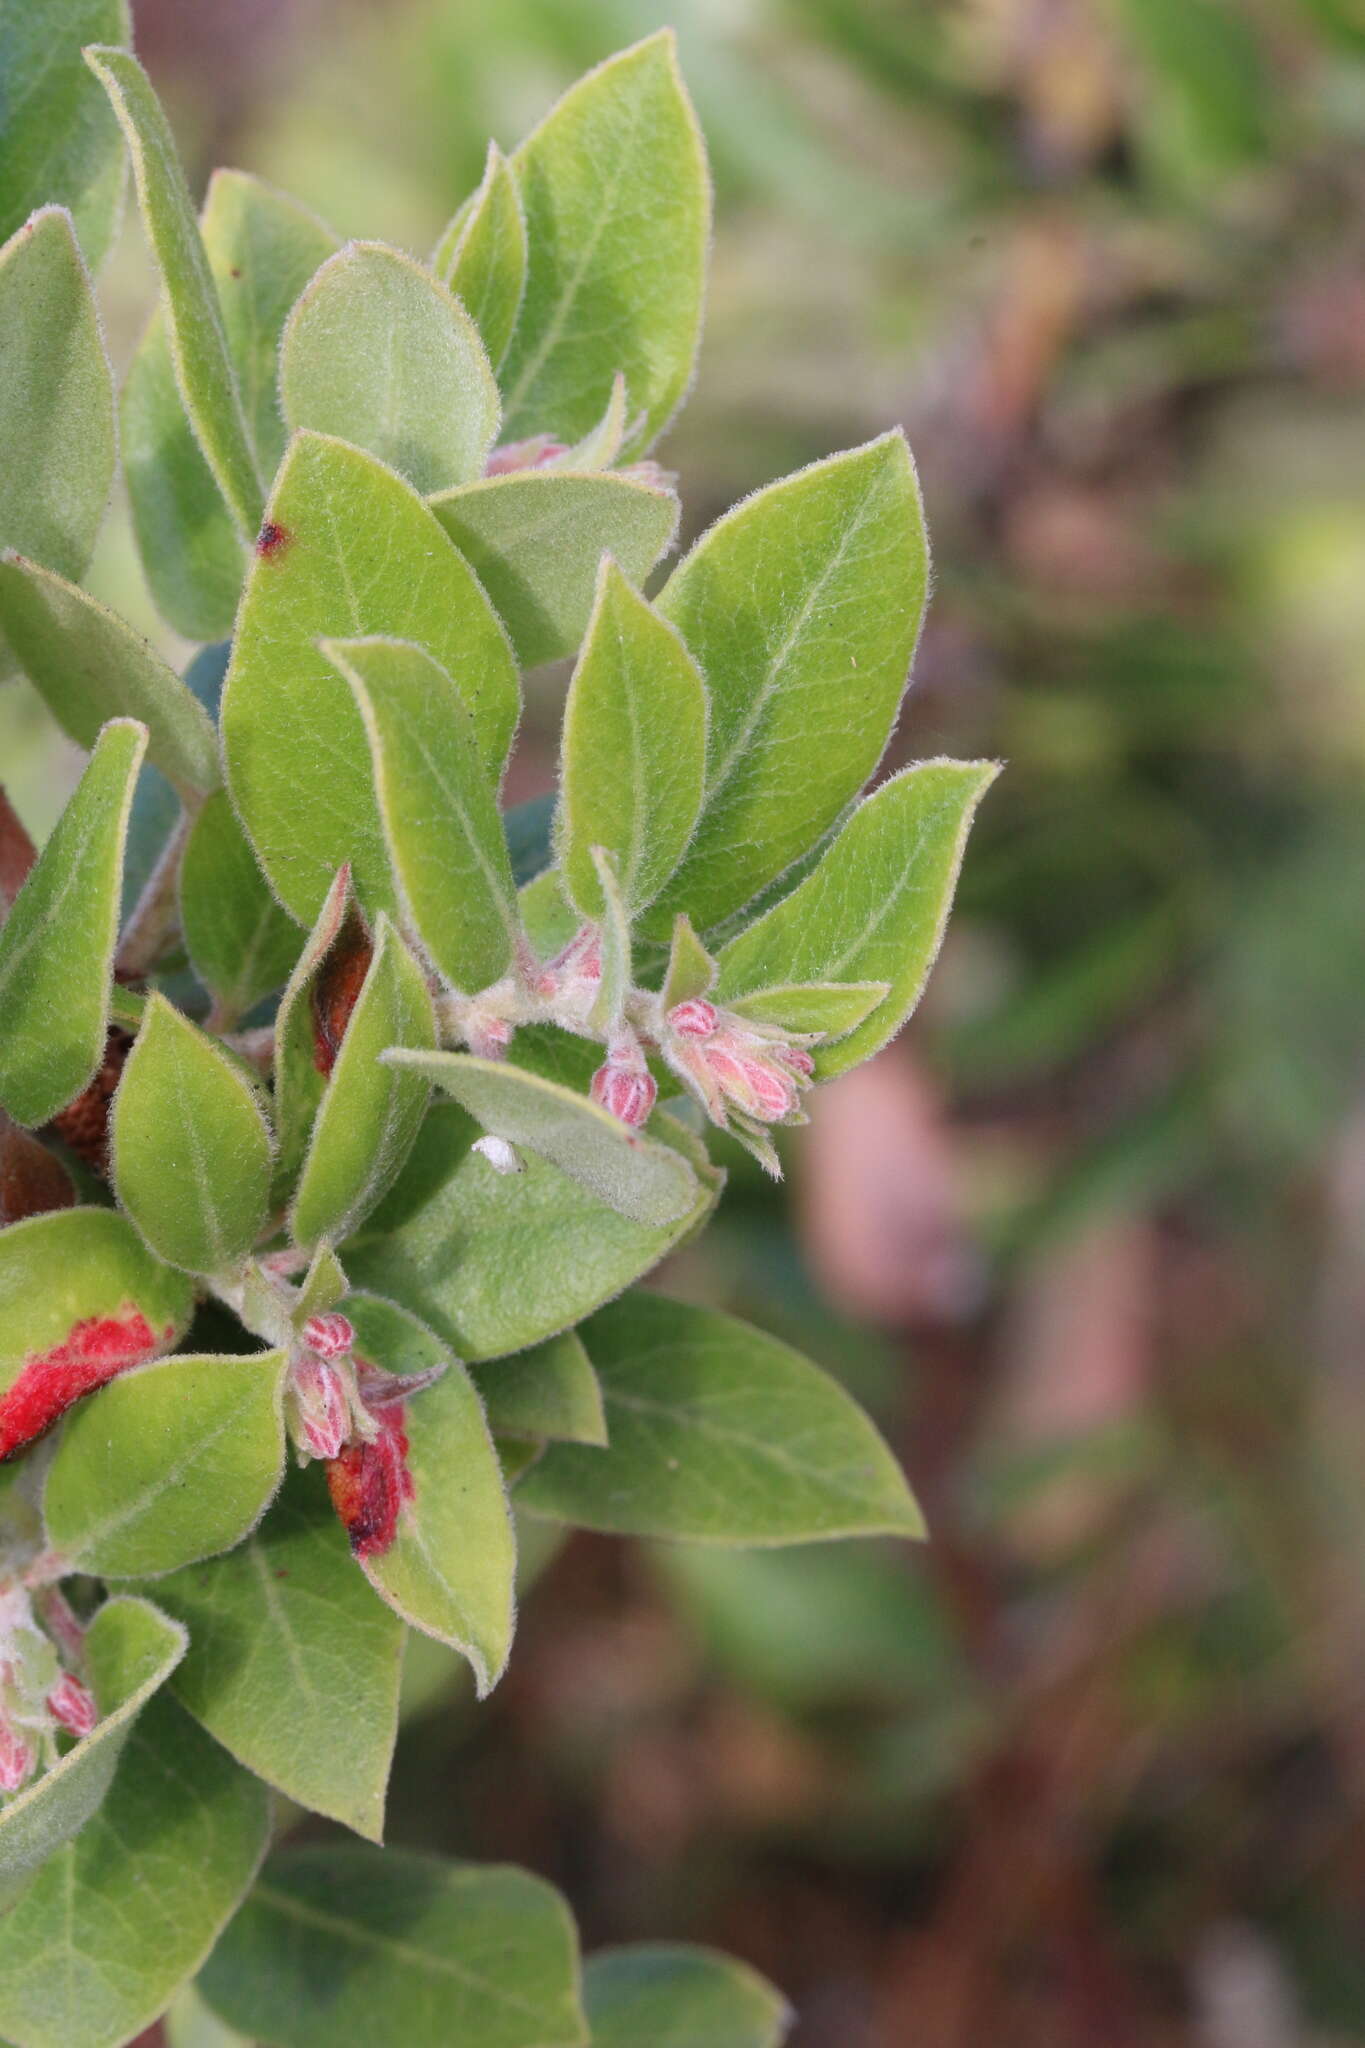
(39, 1691)
(751, 1073)
(322, 1400)
(623, 1084)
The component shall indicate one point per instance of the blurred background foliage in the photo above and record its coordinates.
(1090, 1767)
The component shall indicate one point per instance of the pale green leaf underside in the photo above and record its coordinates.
(874, 906)
(169, 1464)
(59, 140)
(121, 1917)
(130, 1651)
(618, 205)
(358, 555)
(482, 255)
(438, 806)
(293, 1663)
(496, 1263)
(199, 350)
(57, 945)
(77, 1266)
(451, 1568)
(370, 1112)
(672, 1995)
(535, 538)
(355, 1948)
(378, 351)
(633, 1174)
(718, 1433)
(550, 1391)
(262, 248)
(191, 1147)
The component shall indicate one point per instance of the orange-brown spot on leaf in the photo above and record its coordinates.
(336, 988)
(272, 540)
(84, 1124)
(32, 1181)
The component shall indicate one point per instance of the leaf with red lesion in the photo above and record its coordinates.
(370, 1484)
(336, 988)
(95, 1350)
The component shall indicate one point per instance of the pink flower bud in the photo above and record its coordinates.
(62, 1623)
(16, 1759)
(796, 1057)
(319, 1411)
(627, 1092)
(488, 1037)
(695, 1018)
(329, 1335)
(73, 1705)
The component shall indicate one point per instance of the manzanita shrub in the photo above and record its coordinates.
(340, 1112)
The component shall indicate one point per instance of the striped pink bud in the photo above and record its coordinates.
(17, 1758)
(627, 1092)
(73, 1705)
(329, 1335)
(319, 1409)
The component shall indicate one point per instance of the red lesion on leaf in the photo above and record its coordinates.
(272, 539)
(370, 1483)
(336, 989)
(95, 1351)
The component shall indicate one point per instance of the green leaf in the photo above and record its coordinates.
(57, 945)
(56, 394)
(450, 1568)
(549, 1391)
(89, 666)
(353, 552)
(873, 907)
(262, 248)
(300, 1078)
(691, 970)
(173, 1462)
(617, 966)
(352, 1947)
(718, 1433)
(293, 1664)
(802, 607)
(482, 255)
(602, 444)
(618, 216)
(191, 1146)
(829, 1007)
(78, 1285)
(370, 1114)
(377, 350)
(675, 1996)
(190, 2024)
(535, 538)
(241, 944)
(633, 755)
(637, 1176)
(438, 806)
(548, 918)
(58, 139)
(495, 1263)
(112, 1926)
(130, 1651)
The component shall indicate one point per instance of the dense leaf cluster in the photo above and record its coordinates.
(356, 1129)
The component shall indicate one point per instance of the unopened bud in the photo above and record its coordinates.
(627, 1092)
(17, 1759)
(73, 1705)
(329, 1335)
(695, 1018)
(319, 1410)
(500, 1155)
(488, 1037)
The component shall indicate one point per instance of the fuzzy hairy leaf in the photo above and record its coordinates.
(830, 1007)
(618, 212)
(802, 607)
(191, 1146)
(194, 320)
(438, 808)
(57, 944)
(349, 551)
(535, 538)
(120, 1918)
(370, 1112)
(347, 1947)
(639, 1177)
(293, 1664)
(493, 1263)
(57, 441)
(89, 666)
(718, 1433)
(378, 351)
(262, 248)
(300, 1076)
(130, 1651)
(676, 1996)
(450, 1567)
(482, 255)
(58, 139)
(189, 2023)
(240, 943)
(549, 1391)
(633, 755)
(874, 906)
(168, 1464)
